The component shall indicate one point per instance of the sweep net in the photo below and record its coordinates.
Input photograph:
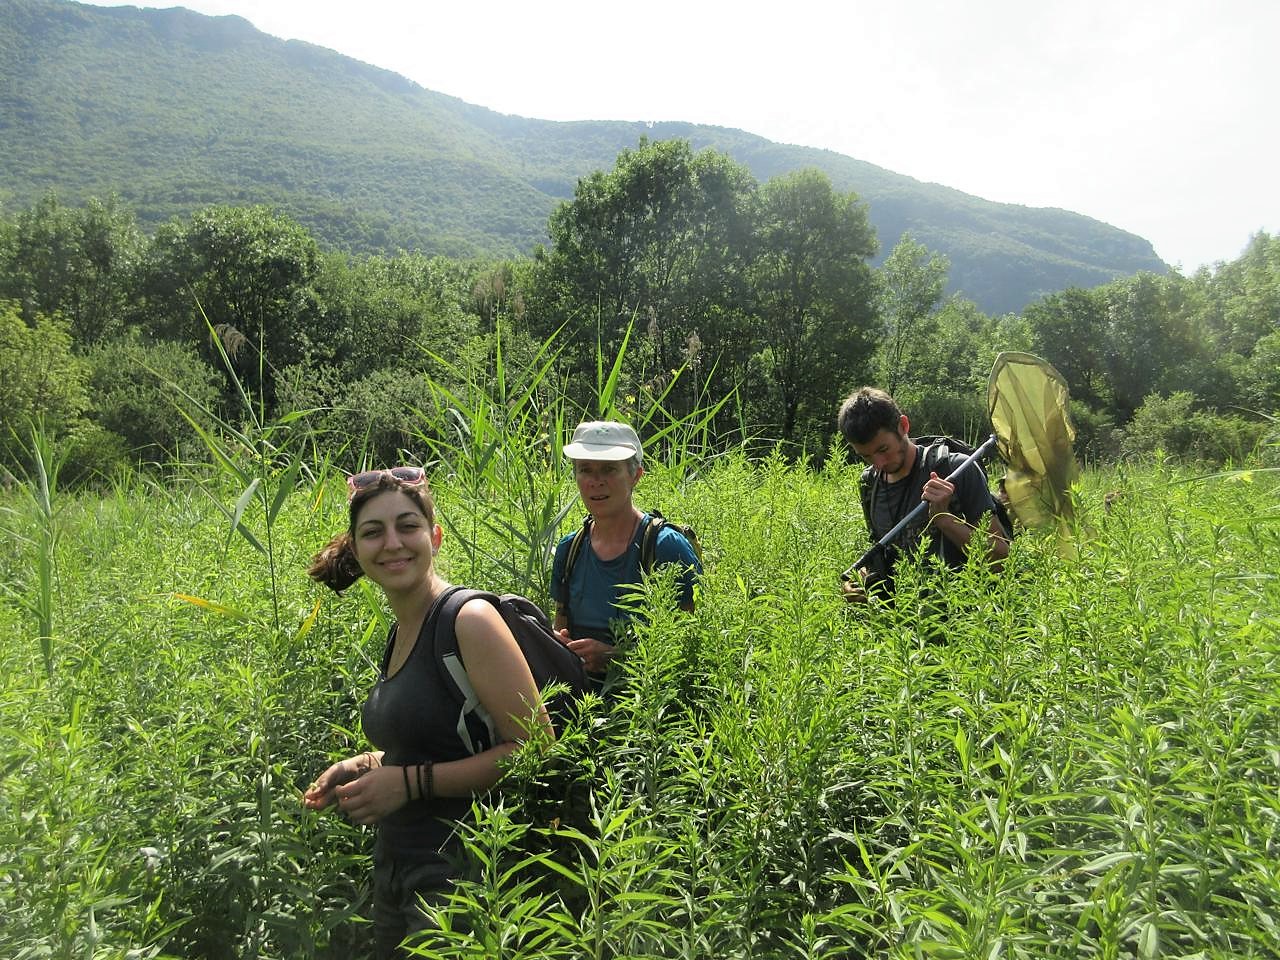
(1028, 403)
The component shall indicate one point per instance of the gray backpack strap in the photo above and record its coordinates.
(474, 722)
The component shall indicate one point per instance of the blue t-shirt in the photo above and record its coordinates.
(597, 585)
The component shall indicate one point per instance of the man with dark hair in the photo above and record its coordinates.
(900, 473)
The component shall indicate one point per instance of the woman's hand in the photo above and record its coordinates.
(321, 792)
(325, 790)
(373, 795)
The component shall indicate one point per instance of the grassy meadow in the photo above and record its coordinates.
(1077, 758)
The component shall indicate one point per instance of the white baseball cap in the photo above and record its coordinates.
(603, 440)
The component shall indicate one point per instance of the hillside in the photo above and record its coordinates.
(172, 110)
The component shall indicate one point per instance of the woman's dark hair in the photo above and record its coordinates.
(866, 412)
(336, 565)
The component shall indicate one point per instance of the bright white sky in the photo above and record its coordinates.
(1156, 116)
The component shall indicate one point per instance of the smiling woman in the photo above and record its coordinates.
(419, 780)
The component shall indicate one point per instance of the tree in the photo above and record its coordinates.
(812, 295)
(1245, 296)
(1148, 340)
(911, 283)
(251, 272)
(77, 263)
(657, 242)
(958, 356)
(39, 378)
(1070, 330)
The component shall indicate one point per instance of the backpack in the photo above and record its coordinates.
(648, 542)
(933, 450)
(550, 661)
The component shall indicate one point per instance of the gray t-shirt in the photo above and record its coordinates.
(414, 718)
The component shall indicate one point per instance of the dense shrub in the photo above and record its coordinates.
(138, 388)
(40, 379)
(1097, 438)
(375, 416)
(1173, 426)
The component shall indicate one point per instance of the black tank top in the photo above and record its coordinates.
(413, 718)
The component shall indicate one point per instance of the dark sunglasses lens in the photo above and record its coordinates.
(364, 479)
(407, 474)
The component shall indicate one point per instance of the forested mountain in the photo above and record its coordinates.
(173, 110)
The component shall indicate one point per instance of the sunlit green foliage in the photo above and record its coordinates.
(1073, 759)
(773, 308)
(40, 378)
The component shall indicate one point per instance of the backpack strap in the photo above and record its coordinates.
(931, 455)
(575, 550)
(867, 491)
(571, 558)
(548, 660)
(649, 540)
(474, 722)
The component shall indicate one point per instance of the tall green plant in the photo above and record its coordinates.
(40, 490)
(259, 457)
(498, 436)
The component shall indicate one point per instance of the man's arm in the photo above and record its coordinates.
(994, 543)
(939, 494)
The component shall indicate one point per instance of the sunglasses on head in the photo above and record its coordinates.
(405, 476)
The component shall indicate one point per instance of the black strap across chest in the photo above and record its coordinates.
(901, 507)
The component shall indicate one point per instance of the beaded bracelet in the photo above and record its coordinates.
(404, 770)
(431, 787)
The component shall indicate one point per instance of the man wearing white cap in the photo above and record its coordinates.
(588, 580)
